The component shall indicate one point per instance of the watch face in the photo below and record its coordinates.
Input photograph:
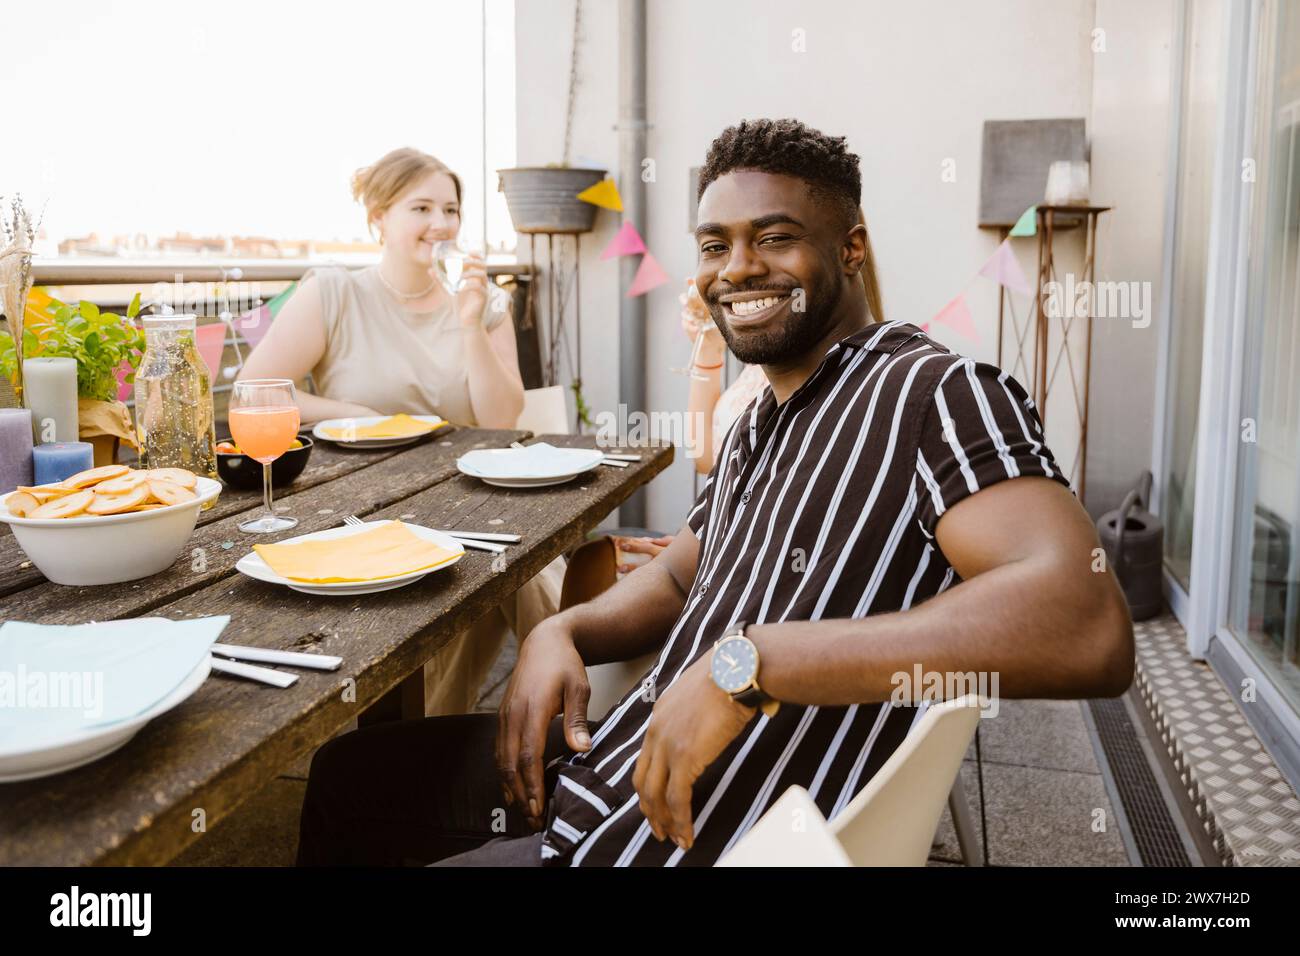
(734, 664)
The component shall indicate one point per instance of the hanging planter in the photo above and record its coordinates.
(544, 199)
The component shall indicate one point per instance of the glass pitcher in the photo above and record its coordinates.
(174, 418)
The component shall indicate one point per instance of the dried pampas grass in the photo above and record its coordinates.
(16, 273)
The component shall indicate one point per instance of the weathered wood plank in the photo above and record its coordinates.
(231, 737)
(214, 548)
(327, 463)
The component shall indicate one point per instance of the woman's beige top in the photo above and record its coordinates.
(749, 384)
(379, 355)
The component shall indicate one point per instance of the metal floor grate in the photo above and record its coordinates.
(1153, 828)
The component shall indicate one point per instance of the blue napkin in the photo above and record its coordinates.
(57, 681)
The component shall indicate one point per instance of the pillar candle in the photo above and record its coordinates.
(15, 448)
(54, 461)
(50, 391)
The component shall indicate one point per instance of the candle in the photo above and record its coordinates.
(50, 391)
(15, 448)
(54, 461)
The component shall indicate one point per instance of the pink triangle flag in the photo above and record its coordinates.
(649, 275)
(956, 315)
(1003, 269)
(628, 242)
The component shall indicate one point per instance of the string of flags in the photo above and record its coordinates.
(627, 241)
(1002, 267)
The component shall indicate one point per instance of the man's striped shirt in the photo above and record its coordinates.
(824, 506)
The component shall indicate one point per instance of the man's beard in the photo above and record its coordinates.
(789, 341)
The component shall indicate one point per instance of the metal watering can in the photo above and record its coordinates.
(1134, 543)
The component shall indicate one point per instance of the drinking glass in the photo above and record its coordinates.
(708, 325)
(264, 422)
(449, 262)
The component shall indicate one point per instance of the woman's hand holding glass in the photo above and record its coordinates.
(464, 275)
(708, 347)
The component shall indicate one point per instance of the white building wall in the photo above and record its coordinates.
(910, 84)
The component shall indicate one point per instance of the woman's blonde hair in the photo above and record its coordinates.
(869, 281)
(378, 185)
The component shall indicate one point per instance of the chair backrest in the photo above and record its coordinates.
(545, 411)
(891, 822)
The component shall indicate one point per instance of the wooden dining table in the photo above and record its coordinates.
(190, 767)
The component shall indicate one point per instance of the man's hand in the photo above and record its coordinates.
(548, 679)
(691, 724)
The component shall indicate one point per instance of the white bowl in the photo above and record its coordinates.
(109, 549)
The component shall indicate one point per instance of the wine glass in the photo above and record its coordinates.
(264, 422)
(449, 263)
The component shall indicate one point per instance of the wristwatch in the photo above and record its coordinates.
(734, 668)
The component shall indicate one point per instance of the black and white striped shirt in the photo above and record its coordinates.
(822, 507)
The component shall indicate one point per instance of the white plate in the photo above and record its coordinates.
(509, 468)
(91, 745)
(526, 482)
(317, 431)
(252, 564)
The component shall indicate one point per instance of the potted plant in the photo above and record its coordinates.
(102, 343)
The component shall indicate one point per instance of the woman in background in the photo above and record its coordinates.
(390, 338)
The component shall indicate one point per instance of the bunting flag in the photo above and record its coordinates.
(649, 275)
(255, 323)
(604, 194)
(1003, 269)
(627, 242)
(1027, 224)
(956, 315)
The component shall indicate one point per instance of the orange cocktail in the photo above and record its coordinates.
(264, 422)
(264, 432)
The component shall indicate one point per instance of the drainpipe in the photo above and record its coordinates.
(631, 150)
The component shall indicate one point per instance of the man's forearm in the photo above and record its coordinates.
(631, 618)
(1043, 634)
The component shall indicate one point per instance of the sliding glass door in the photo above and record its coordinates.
(1264, 594)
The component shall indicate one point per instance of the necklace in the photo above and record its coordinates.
(404, 295)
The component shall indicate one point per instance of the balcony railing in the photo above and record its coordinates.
(111, 283)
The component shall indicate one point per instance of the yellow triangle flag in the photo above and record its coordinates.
(604, 194)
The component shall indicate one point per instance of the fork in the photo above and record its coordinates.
(356, 522)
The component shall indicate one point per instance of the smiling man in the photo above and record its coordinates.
(885, 504)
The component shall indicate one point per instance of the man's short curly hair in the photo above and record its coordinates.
(788, 147)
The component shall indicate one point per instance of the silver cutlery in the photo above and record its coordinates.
(618, 461)
(479, 543)
(323, 662)
(486, 536)
(263, 675)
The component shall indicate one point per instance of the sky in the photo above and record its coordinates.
(247, 118)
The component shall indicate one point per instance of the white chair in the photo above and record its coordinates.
(545, 411)
(891, 822)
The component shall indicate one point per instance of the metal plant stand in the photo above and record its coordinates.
(1036, 358)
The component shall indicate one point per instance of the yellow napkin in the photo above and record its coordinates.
(384, 552)
(395, 426)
